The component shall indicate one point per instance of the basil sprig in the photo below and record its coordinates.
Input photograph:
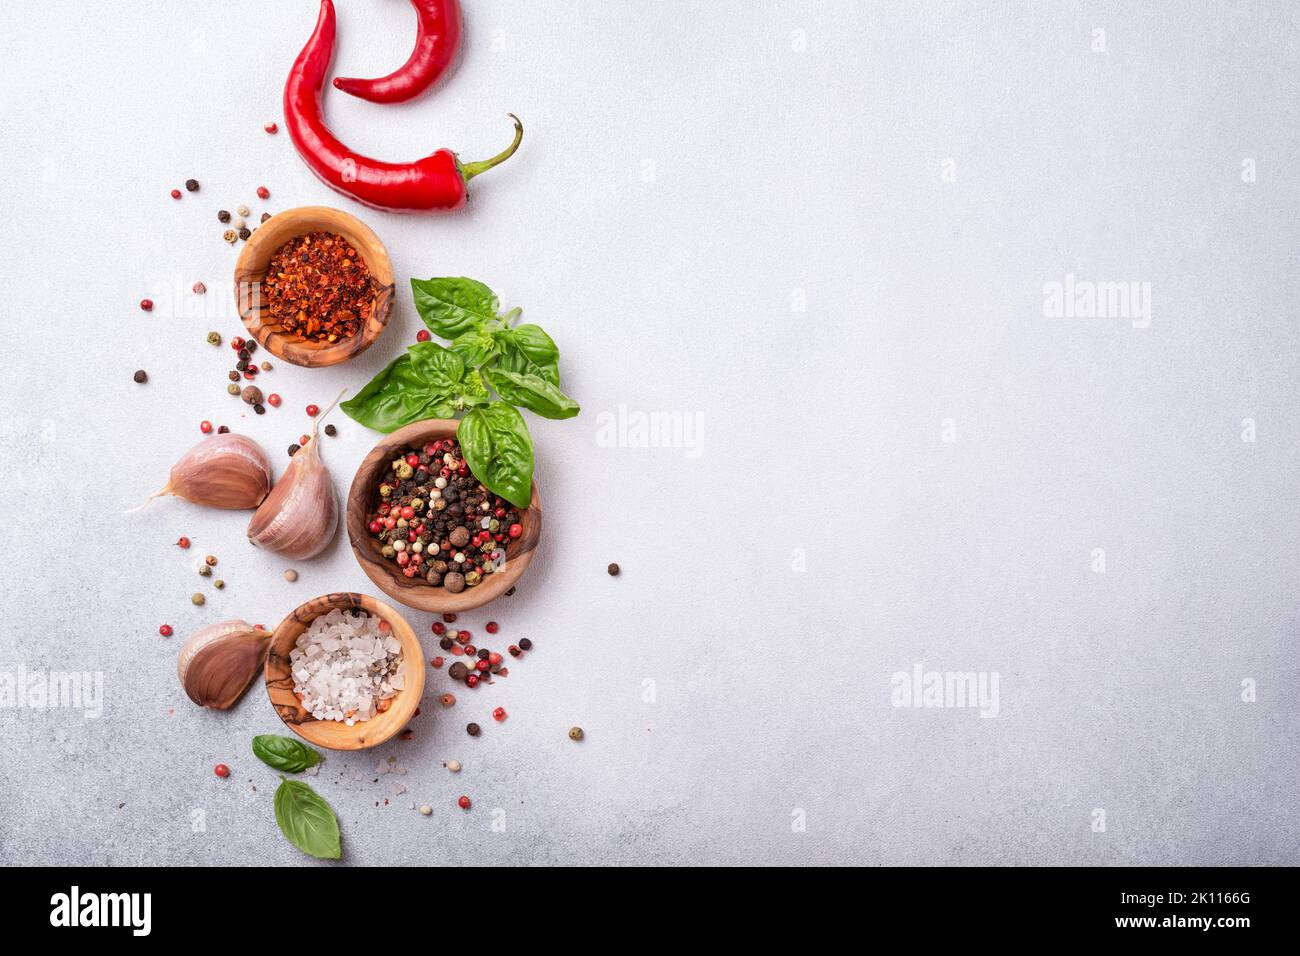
(487, 354)
(284, 753)
(306, 820)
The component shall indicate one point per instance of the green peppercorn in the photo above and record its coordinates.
(198, 599)
(417, 504)
(214, 338)
(218, 584)
(204, 571)
(472, 579)
(232, 388)
(388, 551)
(385, 491)
(405, 471)
(575, 733)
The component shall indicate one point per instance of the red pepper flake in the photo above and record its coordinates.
(318, 287)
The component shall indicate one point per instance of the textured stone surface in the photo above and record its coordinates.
(729, 210)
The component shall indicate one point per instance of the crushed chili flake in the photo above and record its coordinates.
(319, 287)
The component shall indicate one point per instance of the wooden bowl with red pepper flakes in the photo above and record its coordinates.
(415, 591)
(336, 734)
(314, 286)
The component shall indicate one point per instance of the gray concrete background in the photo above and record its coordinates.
(825, 230)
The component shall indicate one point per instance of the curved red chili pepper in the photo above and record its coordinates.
(437, 40)
(435, 183)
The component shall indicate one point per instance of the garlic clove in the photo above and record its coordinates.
(225, 471)
(218, 663)
(300, 515)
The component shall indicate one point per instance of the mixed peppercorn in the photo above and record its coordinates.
(438, 522)
(318, 286)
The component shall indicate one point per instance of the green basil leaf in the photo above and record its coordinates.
(393, 398)
(284, 753)
(475, 347)
(535, 344)
(451, 307)
(495, 441)
(306, 820)
(531, 391)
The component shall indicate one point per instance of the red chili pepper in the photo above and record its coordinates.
(437, 40)
(435, 183)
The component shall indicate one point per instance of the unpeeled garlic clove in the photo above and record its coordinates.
(218, 663)
(225, 471)
(300, 515)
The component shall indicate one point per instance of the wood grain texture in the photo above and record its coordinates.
(256, 255)
(386, 575)
(334, 734)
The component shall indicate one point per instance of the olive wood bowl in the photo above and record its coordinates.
(335, 734)
(256, 255)
(386, 574)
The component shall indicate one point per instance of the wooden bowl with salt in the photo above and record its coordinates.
(255, 257)
(386, 574)
(335, 734)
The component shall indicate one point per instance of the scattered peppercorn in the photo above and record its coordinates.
(331, 430)
(449, 618)
(492, 627)
(313, 410)
(214, 338)
(457, 671)
(263, 192)
(165, 630)
(463, 803)
(222, 430)
(221, 770)
(266, 366)
(198, 288)
(271, 128)
(499, 714)
(205, 571)
(422, 335)
(192, 185)
(198, 599)
(176, 194)
(245, 232)
(210, 560)
(140, 376)
(259, 409)
(525, 644)
(273, 400)
(613, 570)
(232, 388)
(447, 700)
(293, 449)
(223, 216)
(575, 733)
(252, 395)
(182, 542)
(205, 426)
(241, 209)
(230, 235)
(290, 575)
(452, 765)
(473, 729)
(265, 216)
(426, 810)
(471, 679)
(218, 584)
(146, 304)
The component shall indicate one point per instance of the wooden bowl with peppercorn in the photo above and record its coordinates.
(396, 712)
(314, 286)
(454, 562)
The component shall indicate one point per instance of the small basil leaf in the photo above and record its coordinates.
(306, 820)
(535, 344)
(532, 392)
(451, 307)
(284, 753)
(495, 441)
(475, 347)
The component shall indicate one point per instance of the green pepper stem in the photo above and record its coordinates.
(470, 170)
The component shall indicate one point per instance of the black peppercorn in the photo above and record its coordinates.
(473, 730)
(245, 232)
(141, 376)
(331, 430)
(483, 653)
(613, 570)
(445, 644)
(525, 644)
(233, 376)
(223, 216)
(251, 345)
(260, 409)
(192, 185)
(265, 216)
(242, 364)
(293, 449)
(223, 429)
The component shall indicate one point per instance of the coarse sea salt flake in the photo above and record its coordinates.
(341, 667)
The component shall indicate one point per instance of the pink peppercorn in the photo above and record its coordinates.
(263, 192)
(165, 630)
(146, 305)
(463, 803)
(493, 627)
(499, 714)
(436, 662)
